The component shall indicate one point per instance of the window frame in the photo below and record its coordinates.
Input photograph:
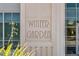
(3, 25)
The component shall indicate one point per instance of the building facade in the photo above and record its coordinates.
(49, 28)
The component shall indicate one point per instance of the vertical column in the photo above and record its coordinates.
(58, 29)
(22, 23)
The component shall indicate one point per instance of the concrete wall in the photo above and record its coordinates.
(42, 27)
(9, 7)
(58, 28)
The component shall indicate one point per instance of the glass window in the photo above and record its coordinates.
(71, 39)
(71, 50)
(70, 21)
(11, 29)
(71, 31)
(1, 44)
(16, 20)
(1, 17)
(70, 13)
(16, 17)
(78, 13)
(5, 44)
(1, 30)
(77, 20)
(7, 31)
(70, 5)
(7, 17)
(15, 43)
(77, 5)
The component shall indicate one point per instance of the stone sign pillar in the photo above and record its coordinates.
(37, 29)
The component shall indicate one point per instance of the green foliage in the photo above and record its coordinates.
(17, 52)
(8, 50)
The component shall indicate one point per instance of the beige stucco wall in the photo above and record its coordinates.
(42, 27)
